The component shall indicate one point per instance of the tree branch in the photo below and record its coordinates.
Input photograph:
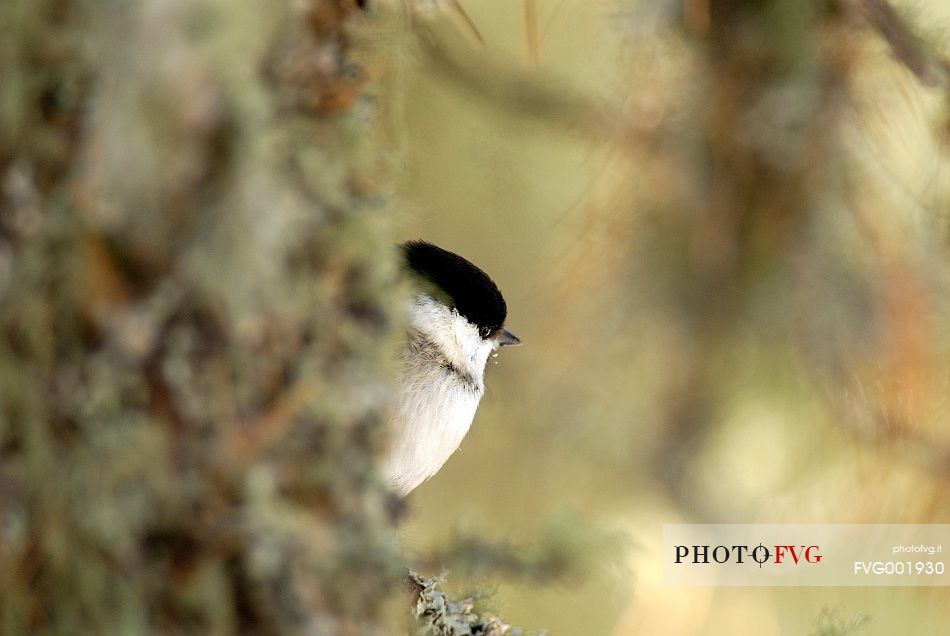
(441, 616)
(907, 47)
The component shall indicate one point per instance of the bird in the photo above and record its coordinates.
(455, 322)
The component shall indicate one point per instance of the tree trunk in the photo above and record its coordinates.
(194, 321)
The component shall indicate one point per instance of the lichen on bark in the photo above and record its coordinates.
(195, 321)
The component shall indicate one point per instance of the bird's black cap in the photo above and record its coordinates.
(472, 291)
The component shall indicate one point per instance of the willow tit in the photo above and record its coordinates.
(453, 327)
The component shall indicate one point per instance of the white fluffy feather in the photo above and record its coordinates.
(439, 391)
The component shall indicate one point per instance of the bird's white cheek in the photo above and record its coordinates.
(480, 355)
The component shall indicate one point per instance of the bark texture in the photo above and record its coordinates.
(195, 300)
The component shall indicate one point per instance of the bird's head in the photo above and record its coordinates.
(460, 307)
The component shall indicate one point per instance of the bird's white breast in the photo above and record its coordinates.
(438, 393)
(433, 413)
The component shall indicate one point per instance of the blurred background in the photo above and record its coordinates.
(721, 229)
(722, 235)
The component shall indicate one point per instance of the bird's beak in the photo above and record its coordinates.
(504, 338)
